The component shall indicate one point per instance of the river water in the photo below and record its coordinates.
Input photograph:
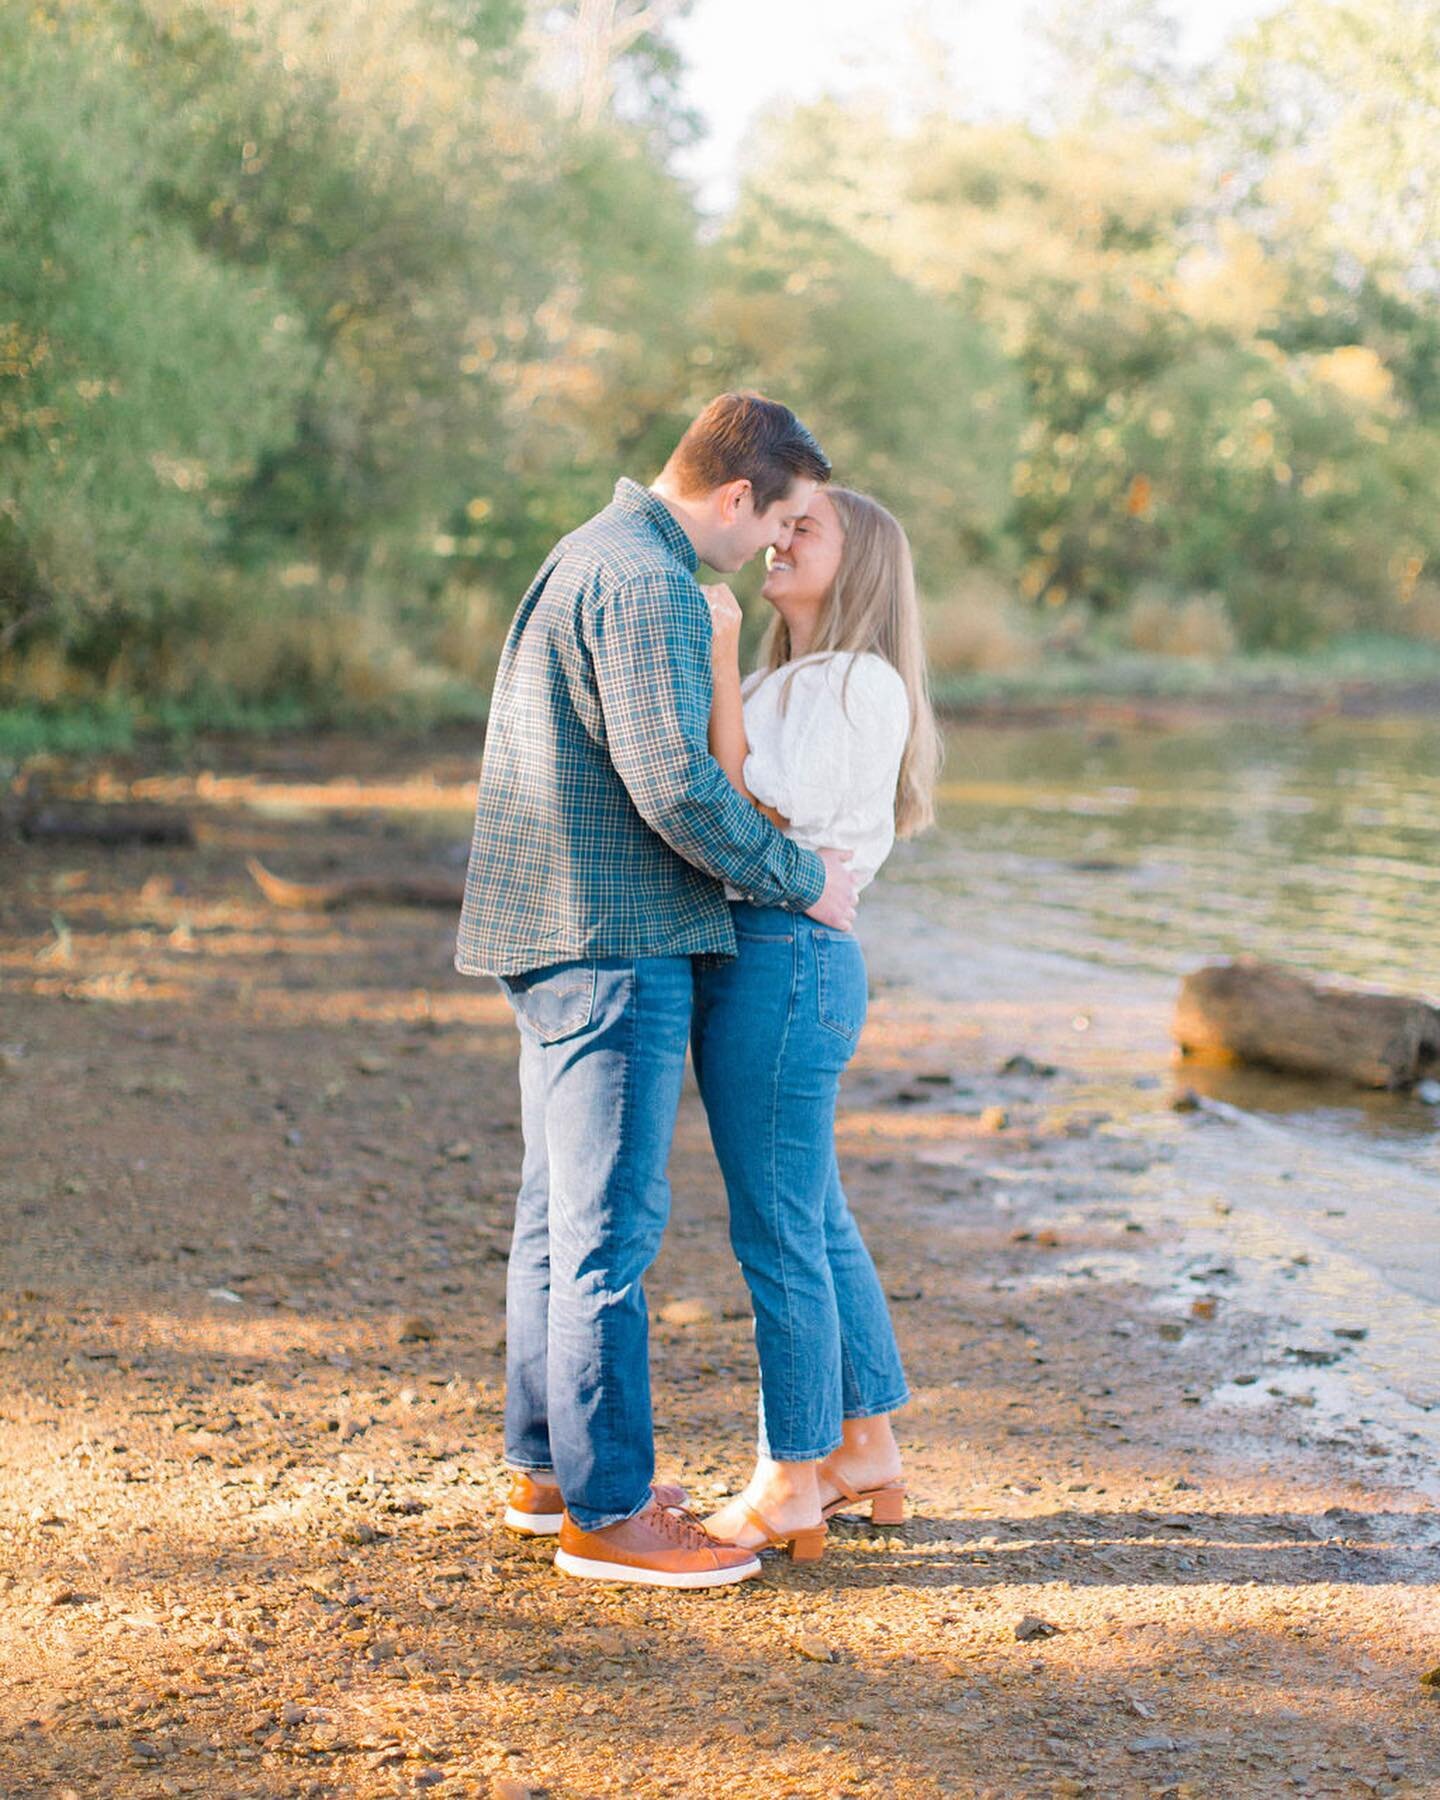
(1095, 866)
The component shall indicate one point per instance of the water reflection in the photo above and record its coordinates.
(1315, 846)
(1151, 852)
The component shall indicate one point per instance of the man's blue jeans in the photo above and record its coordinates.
(773, 1030)
(602, 1055)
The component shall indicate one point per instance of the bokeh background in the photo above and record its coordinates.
(321, 319)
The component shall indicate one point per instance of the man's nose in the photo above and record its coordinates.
(784, 537)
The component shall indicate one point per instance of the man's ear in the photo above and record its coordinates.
(732, 497)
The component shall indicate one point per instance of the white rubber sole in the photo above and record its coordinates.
(698, 1578)
(534, 1524)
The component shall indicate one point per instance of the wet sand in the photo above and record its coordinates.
(255, 1196)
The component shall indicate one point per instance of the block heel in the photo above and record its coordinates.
(888, 1507)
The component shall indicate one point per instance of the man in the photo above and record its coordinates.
(604, 833)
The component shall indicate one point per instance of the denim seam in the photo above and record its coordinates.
(806, 1455)
(773, 1182)
(543, 1066)
(875, 1412)
(623, 1144)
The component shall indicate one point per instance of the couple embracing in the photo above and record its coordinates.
(668, 857)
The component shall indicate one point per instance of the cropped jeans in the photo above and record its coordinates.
(602, 1057)
(773, 1029)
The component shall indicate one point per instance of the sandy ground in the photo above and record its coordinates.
(255, 1192)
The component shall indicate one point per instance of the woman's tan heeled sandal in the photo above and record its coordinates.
(805, 1545)
(886, 1503)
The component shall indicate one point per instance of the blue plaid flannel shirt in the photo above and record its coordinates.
(603, 826)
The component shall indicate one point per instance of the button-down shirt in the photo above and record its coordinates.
(603, 826)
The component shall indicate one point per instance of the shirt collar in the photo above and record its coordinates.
(638, 501)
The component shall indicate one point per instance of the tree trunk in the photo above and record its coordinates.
(1253, 1012)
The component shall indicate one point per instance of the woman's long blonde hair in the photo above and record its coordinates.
(872, 607)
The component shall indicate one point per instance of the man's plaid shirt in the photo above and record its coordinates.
(604, 827)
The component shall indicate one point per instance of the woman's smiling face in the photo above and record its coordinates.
(801, 575)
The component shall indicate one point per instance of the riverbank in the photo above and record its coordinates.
(1363, 677)
(255, 1206)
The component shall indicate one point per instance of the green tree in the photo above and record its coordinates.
(141, 384)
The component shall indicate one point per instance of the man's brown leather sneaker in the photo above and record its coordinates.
(662, 1547)
(535, 1508)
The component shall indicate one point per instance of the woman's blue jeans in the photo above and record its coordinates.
(602, 1057)
(773, 1030)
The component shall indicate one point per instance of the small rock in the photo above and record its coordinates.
(1024, 1065)
(687, 1312)
(415, 1330)
(1357, 1334)
(813, 1647)
(1431, 1679)
(1139, 1746)
(1244, 1380)
(1203, 1308)
(1031, 1627)
(1429, 1092)
(1171, 1330)
(505, 1787)
(228, 1295)
(361, 1532)
(372, 1064)
(461, 1151)
(382, 1650)
(292, 1713)
(994, 1118)
(1186, 1101)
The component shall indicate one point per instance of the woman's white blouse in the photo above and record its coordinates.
(827, 755)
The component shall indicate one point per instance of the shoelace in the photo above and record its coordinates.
(679, 1523)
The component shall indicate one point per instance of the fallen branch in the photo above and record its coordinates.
(1253, 1012)
(109, 825)
(386, 890)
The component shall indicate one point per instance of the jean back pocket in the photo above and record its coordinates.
(555, 1002)
(841, 994)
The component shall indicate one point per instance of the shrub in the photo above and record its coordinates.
(1197, 625)
(978, 630)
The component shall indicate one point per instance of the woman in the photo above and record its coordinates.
(835, 741)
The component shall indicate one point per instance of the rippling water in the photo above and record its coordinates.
(1317, 846)
(1143, 853)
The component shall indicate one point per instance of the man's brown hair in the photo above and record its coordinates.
(745, 437)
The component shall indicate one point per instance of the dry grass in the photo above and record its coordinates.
(978, 630)
(1195, 626)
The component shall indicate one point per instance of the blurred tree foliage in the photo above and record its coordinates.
(321, 319)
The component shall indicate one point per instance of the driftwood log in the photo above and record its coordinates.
(1253, 1012)
(388, 890)
(110, 825)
